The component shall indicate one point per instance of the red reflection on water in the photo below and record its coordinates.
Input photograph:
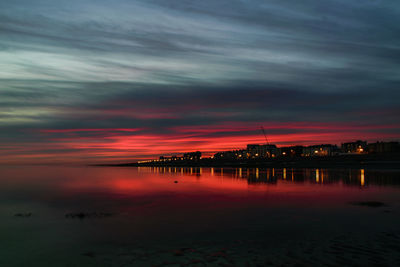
(186, 186)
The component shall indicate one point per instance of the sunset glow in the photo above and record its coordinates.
(94, 81)
(124, 144)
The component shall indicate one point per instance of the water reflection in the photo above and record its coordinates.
(144, 207)
(362, 178)
(352, 177)
(83, 184)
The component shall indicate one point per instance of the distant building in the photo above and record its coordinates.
(241, 154)
(355, 147)
(291, 151)
(165, 158)
(225, 155)
(234, 154)
(176, 158)
(383, 147)
(261, 151)
(320, 150)
(192, 156)
(253, 151)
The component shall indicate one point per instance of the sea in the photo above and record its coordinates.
(173, 216)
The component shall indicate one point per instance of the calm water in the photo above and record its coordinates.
(197, 216)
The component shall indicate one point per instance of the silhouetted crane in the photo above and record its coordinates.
(266, 140)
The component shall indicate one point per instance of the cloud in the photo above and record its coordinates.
(162, 66)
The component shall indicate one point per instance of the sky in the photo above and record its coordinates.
(103, 81)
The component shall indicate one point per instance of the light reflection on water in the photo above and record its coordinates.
(353, 177)
(173, 207)
(61, 181)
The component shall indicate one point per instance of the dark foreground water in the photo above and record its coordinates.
(108, 216)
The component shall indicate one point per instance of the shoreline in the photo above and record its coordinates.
(341, 161)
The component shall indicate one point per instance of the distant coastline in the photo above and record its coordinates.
(357, 154)
(379, 161)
